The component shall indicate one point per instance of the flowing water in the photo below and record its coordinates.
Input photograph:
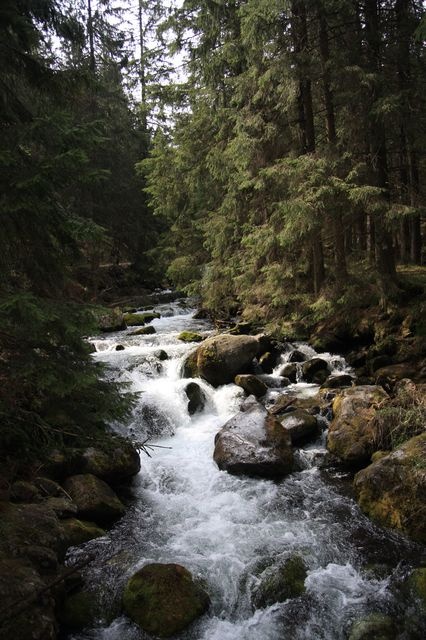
(229, 531)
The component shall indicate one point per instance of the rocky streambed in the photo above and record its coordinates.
(242, 524)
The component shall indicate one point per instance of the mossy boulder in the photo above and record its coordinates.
(23, 491)
(190, 336)
(76, 532)
(220, 358)
(95, 500)
(338, 381)
(139, 319)
(163, 599)
(352, 433)
(392, 489)
(25, 525)
(300, 424)
(288, 581)
(251, 384)
(110, 320)
(144, 331)
(375, 625)
(254, 443)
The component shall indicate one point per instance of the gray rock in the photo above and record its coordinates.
(300, 424)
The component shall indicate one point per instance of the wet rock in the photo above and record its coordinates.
(289, 371)
(391, 490)
(417, 585)
(282, 403)
(296, 356)
(196, 397)
(110, 320)
(352, 433)
(163, 599)
(251, 384)
(301, 425)
(375, 625)
(190, 336)
(389, 375)
(119, 347)
(95, 500)
(254, 443)
(320, 377)
(43, 559)
(151, 421)
(161, 354)
(76, 532)
(201, 314)
(274, 382)
(288, 581)
(338, 381)
(220, 358)
(313, 367)
(268, 361)
(144, 331)
(48, 487)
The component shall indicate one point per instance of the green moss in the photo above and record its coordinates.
(287, 582)
(375, 625)
(417, 584)
(190, 336)
(163, 599)
(139, 319)
(77, 532)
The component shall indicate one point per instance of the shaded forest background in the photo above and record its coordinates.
(275, 168)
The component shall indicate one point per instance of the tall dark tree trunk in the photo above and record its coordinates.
(306, 121)
(341, 272)
(385, 259)
(92, 63)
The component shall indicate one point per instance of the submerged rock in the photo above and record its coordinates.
(289, 371)
(352, 434)
(220, 358)
(254, 443)
(95, 500)
(300, 424)
(251, 384)
(163, 599)
(288, 581)
(143, 331)
(375, 625)
(161, 354)
(392, 489)
(196, 397)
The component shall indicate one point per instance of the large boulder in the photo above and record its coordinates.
(251, 384)
(110, 320)
(190, 336)
(163, 599)
(300, 424)
(220, 358)
(289, 371)
(254, 443)
(352, 433)
(196, 398)
(95, 500)
(392, 489)
(76, 532)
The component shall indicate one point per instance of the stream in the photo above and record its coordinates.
(231, 531)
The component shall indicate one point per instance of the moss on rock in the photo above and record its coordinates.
(79, 531)
(139, 319)
(190, 336)
(287, 582)
(163, 599)
(78, 611)
(375, 625)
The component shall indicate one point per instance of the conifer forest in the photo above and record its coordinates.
(212, 319)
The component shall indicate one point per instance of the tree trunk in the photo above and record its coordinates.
(91, 36)
(385, 259)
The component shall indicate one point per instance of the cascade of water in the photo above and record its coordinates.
(230, 531)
